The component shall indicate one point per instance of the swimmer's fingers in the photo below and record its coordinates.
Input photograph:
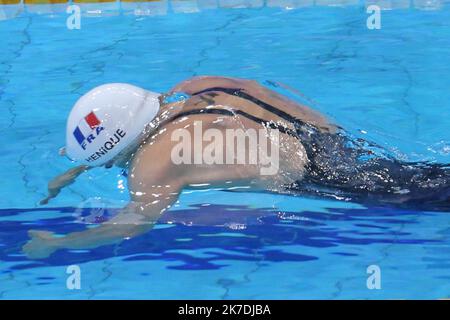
(44, 201)
(52, 193)
(40, 245)
(58, 183)
(44, 235)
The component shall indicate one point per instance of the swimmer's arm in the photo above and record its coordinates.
(133, 220)
(63, 180)
(153, 189)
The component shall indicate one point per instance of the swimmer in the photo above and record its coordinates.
(140, 131)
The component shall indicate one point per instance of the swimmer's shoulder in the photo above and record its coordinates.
(200, 83)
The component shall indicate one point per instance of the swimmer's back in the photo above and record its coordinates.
(244, 94)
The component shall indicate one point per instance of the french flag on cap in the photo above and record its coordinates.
(85, 127)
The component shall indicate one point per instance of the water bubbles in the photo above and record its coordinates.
(236, 226)
(442, 148)
(120, 185)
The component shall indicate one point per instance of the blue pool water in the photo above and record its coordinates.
(390, 86)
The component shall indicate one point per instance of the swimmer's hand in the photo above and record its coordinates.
(41, 245)
(58, 183)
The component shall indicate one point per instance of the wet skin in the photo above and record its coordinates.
(155, 181)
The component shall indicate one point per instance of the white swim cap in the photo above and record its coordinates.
(106, 120)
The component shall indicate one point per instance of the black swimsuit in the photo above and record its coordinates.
(342, 166)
